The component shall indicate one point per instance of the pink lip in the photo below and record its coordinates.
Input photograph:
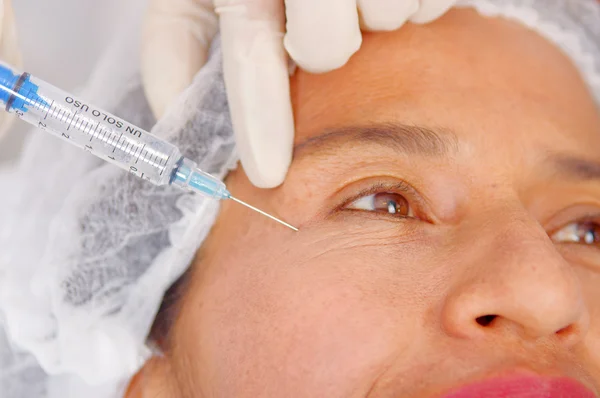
(523, 387)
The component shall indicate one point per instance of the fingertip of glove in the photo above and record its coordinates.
(266, 161)
(431, 10)
(386, 16)
(322, 59)
(267, 179)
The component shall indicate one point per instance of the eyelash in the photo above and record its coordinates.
(400, 188)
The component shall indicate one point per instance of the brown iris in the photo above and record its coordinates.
(385, 202)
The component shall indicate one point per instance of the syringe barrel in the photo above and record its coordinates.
(88, 127)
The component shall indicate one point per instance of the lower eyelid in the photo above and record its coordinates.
(580, 255)
(371, 215)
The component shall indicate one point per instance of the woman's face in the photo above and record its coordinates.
(446, 184)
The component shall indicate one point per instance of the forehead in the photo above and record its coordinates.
(484, 79)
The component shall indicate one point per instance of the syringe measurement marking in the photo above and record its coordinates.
(49, 109)
(117, 143)
(73, 118)
(66, 116)
(57, 116)
(36, 103)
(106, 137)
(115, 139)
(136, 147)
(94, 131)
(140, 154)
(120, 144)
(63, 117)
(88, 126)
(82, 127)
(103, 132)
(77, 121)
(111, 137)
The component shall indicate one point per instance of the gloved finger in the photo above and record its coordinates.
(9, 52)
(386, 14)
(431, 9)
(321, 35)
(256, 77)
(176, 38)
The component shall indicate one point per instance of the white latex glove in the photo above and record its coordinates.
(9, 51)
(320, 35)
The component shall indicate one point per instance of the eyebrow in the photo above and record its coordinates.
(424, 141)
(403, 138)
(576, 168)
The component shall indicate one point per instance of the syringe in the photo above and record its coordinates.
(106, 136)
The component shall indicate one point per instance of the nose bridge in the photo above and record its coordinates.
(520, 241)
(515, 274)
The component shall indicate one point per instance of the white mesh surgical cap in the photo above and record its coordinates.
(87, 251)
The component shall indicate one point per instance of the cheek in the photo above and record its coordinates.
(323, 315)
(590, 285)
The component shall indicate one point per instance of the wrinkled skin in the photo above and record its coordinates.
(477, 281)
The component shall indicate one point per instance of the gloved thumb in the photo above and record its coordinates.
(9, 51)
(176, 38)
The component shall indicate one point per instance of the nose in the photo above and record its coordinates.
(515, 281)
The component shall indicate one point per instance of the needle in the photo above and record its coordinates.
(263, 213)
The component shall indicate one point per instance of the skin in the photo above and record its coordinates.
(475, 284)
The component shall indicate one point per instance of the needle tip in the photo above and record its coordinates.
(263, 213)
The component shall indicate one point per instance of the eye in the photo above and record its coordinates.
(384, 202)
(586, 232)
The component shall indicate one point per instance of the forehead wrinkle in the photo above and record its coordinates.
(402, 138)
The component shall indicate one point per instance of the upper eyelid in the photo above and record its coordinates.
(572, 214)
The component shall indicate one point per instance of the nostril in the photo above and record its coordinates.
(485, 320)
(566, 331)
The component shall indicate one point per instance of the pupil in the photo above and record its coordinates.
(392, 207)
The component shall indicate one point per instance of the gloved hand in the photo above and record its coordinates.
(319, 35)
(9, 51)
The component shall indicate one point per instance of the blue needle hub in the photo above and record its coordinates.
(17, 91)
